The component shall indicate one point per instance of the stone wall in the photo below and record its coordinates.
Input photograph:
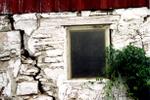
(33, 52)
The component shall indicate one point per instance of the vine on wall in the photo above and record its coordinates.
(133, 67)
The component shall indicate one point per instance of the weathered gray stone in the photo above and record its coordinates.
(16, 67)
(27, 60)
(5, 24)
(5, 58)
(3, 79)
(26, 88)
(24, 78)
(49, 86)
(10, 41)
(11, 85)
(27, 69)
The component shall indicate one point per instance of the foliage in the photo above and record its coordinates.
(113, 89)
(132, 64)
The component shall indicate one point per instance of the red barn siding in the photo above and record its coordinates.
(26, 6)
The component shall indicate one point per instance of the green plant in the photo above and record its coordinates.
(113, 88)
(132, 64)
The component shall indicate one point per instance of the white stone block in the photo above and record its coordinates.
(3, 79)
(43, 97)
(98, 13)
(30, 45)
(141, 12)
(27, 25)
(57, 52)
(26, 22)
(60, 14)
(43, 33)
(53, 59)
(57, 65)
(85, 13)
(16, 67)
(19, 17)
(26, 88)
(107, 19)
(53, 73)
(10, 87)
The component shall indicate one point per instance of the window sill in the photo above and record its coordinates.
(84, 80)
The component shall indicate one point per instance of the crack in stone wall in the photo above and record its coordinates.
(19, 70)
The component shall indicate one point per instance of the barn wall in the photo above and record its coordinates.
(32, 52)
(28, 6)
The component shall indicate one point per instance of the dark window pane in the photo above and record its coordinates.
(87, 53)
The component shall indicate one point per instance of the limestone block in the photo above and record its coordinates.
(23, 78)
(27, 25)
(145, 30)
(74, 94)
(27, 69)
(53, 59)
(26, 22)
(5, 24)
(85, 13)
(49, 86)
(10, 42)
(53, 73)
(3, 79)
(26, 88)
(10, 87)
(57, 52)
(30, 45)
(43, 33)
(60, 14)
(19, 17)
(57, 65)
(16, 67)
(132, 13)
(27, 60)
(98, 13)
(107, 19)
(43, 97)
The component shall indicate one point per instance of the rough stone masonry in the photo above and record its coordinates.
(32, 52)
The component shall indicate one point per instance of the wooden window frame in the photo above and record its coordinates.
(68, 42)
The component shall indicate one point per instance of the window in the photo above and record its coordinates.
(86, 50)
